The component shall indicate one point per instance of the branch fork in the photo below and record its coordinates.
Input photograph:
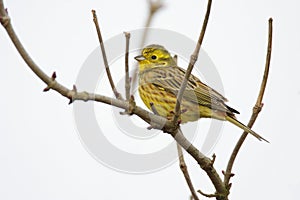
(131, 107)
(155, 121)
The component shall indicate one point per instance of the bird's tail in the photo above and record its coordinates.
(244, 127)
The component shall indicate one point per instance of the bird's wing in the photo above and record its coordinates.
(170, 79)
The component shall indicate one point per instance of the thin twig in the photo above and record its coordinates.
(113, 87)
(127, 81)
(53, 84)
(185, 172)
(6, 23)
(256, 109)
(192, 62)
(71, 94)
(204, 162)
(183, 165)
(154, 6)
(267, 65)
(208, 195)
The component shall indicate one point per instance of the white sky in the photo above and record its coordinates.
(41, 154)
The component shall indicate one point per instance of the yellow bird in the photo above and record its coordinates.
(159, 82)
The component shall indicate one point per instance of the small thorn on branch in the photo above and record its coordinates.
(72, 94)
(213, 159)
(53, 77)
(46, 89)
(74, 89)
(179, 122)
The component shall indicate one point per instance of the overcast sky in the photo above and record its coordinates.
(43, 154)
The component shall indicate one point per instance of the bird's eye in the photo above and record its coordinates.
(153, 57)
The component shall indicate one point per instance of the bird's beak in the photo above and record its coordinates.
(139, 58)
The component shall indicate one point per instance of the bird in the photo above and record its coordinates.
(159, 83)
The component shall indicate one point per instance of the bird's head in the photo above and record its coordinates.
(154, 56)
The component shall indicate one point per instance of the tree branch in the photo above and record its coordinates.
(127, 81)
(205, 163)
(222, 188)
(185, 172)
(73, 95)
(192, 62)
(208, 195)
(113, 87)
(153, 6)
(182, 163)
(256, 109)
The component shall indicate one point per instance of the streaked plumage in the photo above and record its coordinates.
(160, 80)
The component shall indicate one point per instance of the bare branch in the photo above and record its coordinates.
(267, 65)
(154, 6)
(208, 195)
(113, 87)
(204, 162)
(185, 172)
(73, 95)
(127, 81)
(193, 60)
(182, 163)
(167, 126)
(6, 23)
(256, 109)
